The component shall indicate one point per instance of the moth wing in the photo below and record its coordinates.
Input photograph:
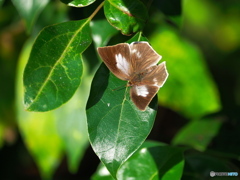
(155, 75)
(154, 78)
(143, 56)
(142, 95)
(117, 59)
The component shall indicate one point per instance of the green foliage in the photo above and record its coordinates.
(152, 161)
(179, 61)
(127, 16)
(197, 133)
(51, 79)
(29, 10)
(71, 99)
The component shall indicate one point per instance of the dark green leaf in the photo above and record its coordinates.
(128, 16)
(116, 127)
(29, 10)
(78, 3)
(151, 161)
(54, 69)
(159, 162)
(169, 7)
(190, 88)
(101, 38)
(198, 134)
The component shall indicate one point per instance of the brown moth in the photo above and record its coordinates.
(137, 64)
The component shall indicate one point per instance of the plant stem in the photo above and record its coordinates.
(96, 11)
(139, 37)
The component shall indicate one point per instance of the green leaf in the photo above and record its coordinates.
(54, 70)
(127, 16)
(72, 124)
(137, 37)
(151, 161)
(38, 130)
(101, 38)
(116, 127)
(197, 134)
(190, 88)
(78, 3)
(29, 10)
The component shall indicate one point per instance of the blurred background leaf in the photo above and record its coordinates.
(1, 1)
(100, 38)
(198, 133)
(72, 124)
(190, 89)
(38, 129)
(29, 10)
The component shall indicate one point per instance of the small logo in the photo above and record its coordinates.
(212, 173)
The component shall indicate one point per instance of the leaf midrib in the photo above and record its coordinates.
(57, 62)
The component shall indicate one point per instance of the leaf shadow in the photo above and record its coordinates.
(99, 85)
(166, 158)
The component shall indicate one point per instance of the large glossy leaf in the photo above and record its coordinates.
(100, 38)
(151, 161)
(116, 127)
(198, 134)
(29, 10)
(38, 130)
(78, 3)
(128, 16)
(72, 124)
(53, 72)
(190, 88)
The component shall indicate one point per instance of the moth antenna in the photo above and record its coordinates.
(119, 88)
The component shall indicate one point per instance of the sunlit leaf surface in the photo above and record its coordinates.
(54, 70)
(78, 3)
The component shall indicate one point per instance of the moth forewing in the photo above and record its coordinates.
(117, 59)
(143, 56)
